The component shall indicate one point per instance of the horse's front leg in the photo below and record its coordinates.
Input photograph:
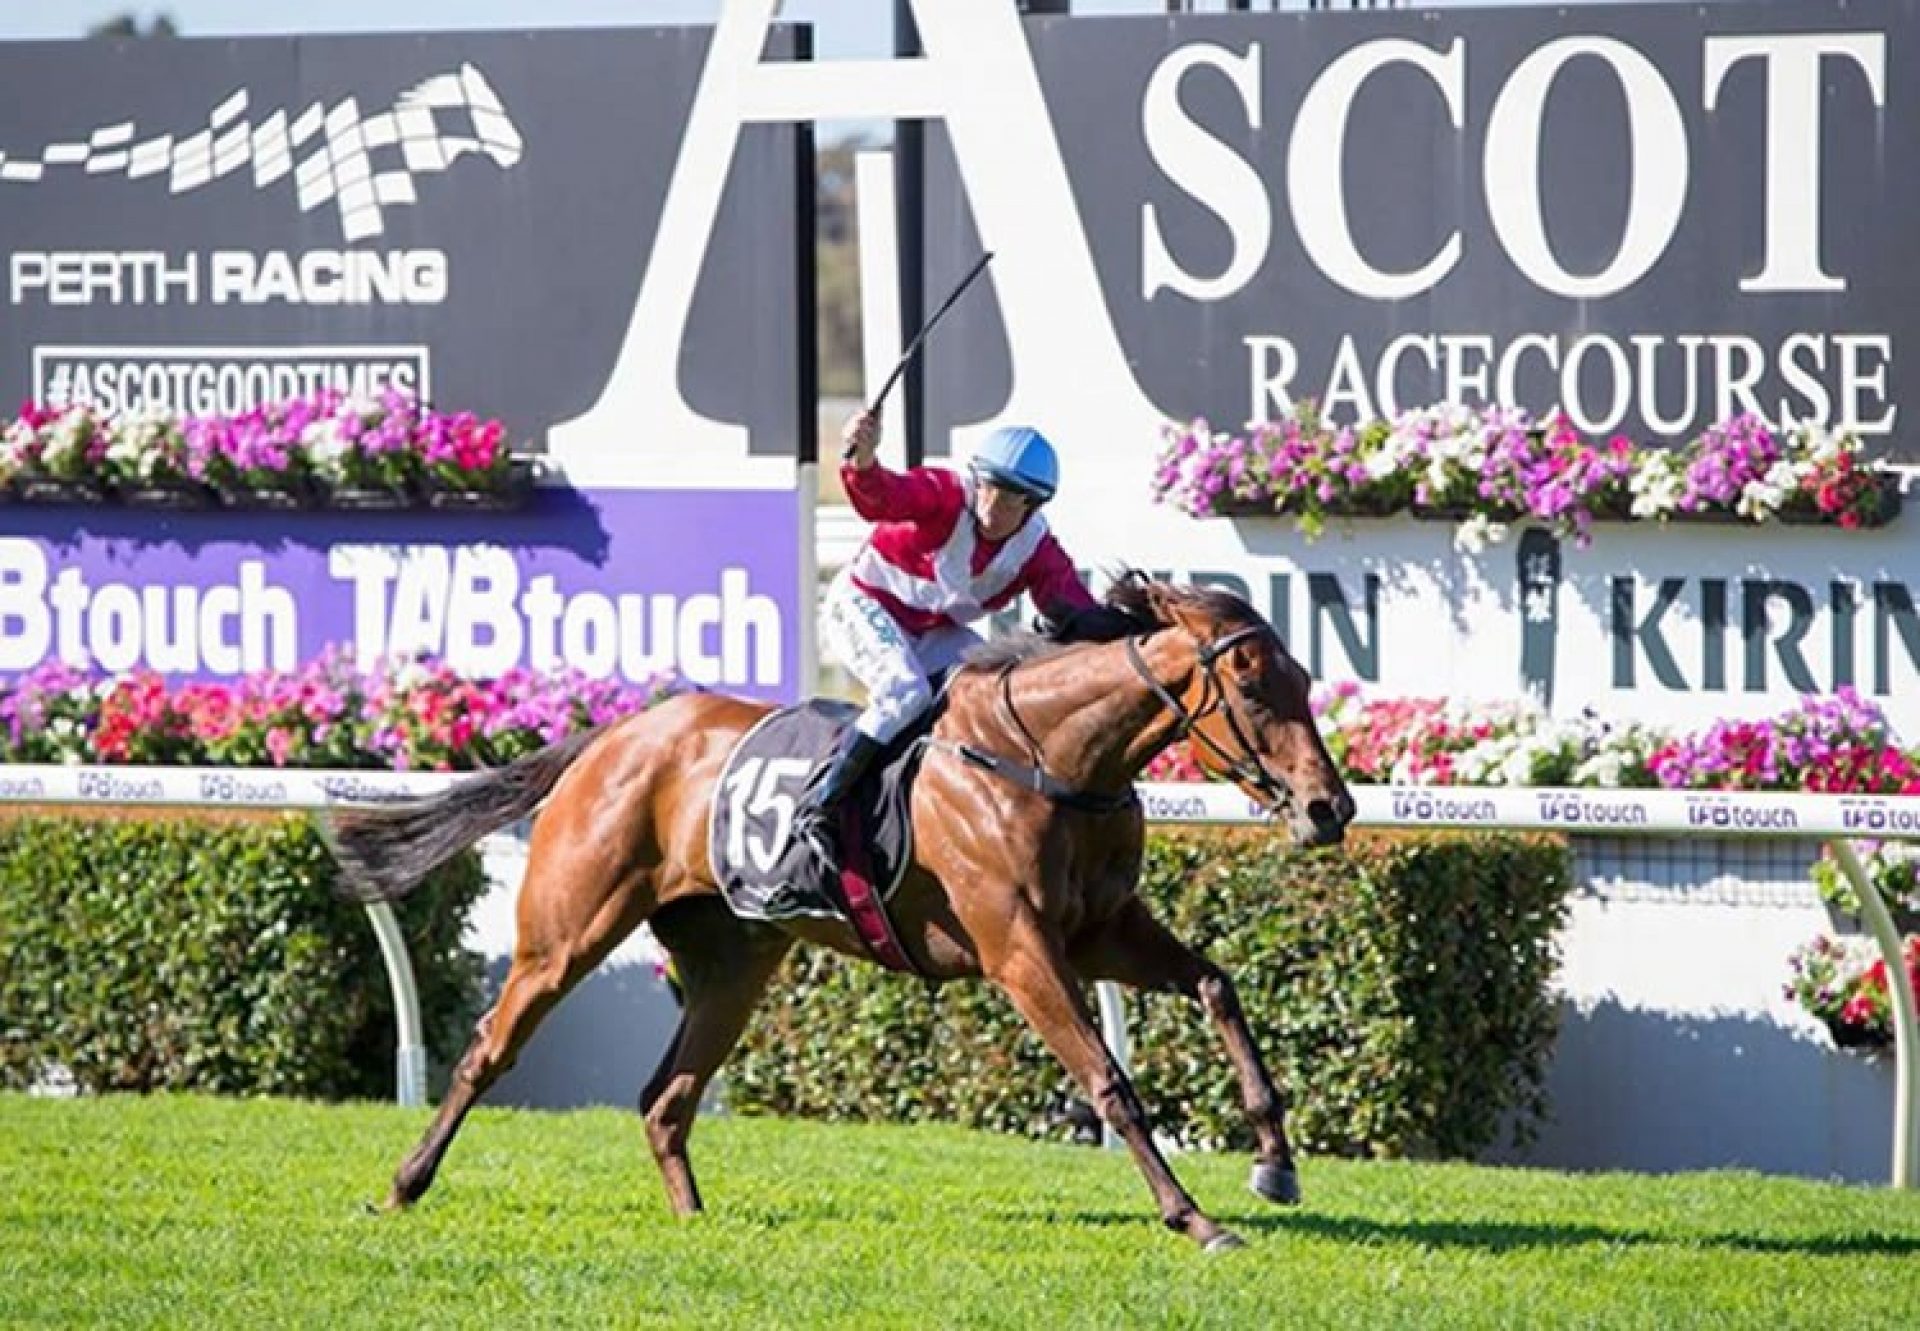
(1030, 966)
(1136, 949)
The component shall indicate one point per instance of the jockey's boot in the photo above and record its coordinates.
(815, 831)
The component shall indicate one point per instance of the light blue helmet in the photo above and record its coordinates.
(1019, 458)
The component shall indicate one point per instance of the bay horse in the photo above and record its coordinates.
(1035, 893)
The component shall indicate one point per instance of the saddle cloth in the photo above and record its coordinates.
(753, 806)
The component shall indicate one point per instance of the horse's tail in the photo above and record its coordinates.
(384, 853)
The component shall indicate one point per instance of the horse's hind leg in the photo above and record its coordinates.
(529, 993)
(566, 923)
(725, 966)
(1137, 950)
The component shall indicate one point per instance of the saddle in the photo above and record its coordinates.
(753, 805)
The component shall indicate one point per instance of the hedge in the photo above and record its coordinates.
(210, 954)
(1399, 988)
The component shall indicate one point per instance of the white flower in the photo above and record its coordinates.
(69, 739)
(1656, 485)
(142, 444)
(66, 439)
(1817, 444)
(1477, 533)
(15, 443)
(1399, 450)
(1763, 496)
(327, 444)
(411, 672)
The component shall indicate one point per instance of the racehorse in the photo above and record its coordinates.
(1029, 883)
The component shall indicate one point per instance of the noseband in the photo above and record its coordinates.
(1247, 767)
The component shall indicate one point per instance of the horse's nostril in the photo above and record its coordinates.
(1325, 813)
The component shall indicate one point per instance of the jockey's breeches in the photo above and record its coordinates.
(893, 665)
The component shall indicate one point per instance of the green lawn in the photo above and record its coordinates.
(199, 1212)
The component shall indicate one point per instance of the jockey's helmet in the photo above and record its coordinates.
(1019, 458)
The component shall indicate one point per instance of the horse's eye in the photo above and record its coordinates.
(1257, 710)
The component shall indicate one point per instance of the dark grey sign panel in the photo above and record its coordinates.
(202, 225)
(1652, 216)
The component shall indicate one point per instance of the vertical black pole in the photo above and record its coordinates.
(806, 282)
(910, 222)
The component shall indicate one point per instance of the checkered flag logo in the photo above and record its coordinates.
(361, 164)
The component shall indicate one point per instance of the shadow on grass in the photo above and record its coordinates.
(1476, 1235)
(1487, 1235)
(1505, 1236)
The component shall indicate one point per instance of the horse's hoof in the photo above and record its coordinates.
(1225, 1241)
(1279, 1184)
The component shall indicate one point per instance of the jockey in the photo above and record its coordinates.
(946, 550)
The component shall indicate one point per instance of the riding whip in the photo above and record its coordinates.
(913, 347)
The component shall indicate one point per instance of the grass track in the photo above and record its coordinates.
(188, 1211)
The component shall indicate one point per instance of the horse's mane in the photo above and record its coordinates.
(1134, 604)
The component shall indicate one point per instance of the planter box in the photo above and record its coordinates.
(168, 495)
(512, 493)
(283, 498)
(1247, 508)
(1461, 512)
(50, 490)
(1857, 1039)
(1885, 509)
(371, 500)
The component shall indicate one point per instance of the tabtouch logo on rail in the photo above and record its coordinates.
(108, 786)
(359, 790)
(1429, 806)
(1882, 816)
(1719, 812)
(22, 788)
(239, 788)
(1591, 810)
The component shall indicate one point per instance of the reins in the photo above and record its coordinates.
(1246, 767)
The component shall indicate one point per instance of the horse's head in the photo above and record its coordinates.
(1245, 705)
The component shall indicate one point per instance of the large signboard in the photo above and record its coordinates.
(203, 226)
(1651, 217)
(615, 583)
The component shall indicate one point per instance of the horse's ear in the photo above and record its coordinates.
(1165, 601)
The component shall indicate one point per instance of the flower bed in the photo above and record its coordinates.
(406, 715)
(326, 448)
(1489, 467)
(1839, 745)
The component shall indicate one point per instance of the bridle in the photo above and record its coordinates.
(1247, 767)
